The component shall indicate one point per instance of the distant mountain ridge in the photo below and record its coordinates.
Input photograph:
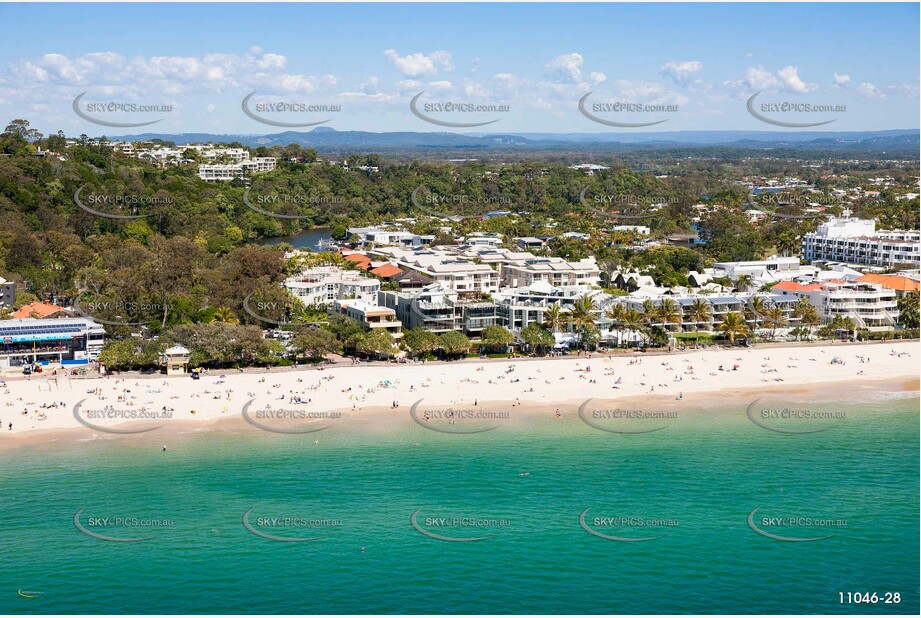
(328, 140)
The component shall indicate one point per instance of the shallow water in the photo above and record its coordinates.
(524, 485)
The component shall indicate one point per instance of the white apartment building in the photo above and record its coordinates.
(324, 285)
(216, 173)
(372, 316)
(869, 305)
(554, 271)
(856, 241)
(775, 268)
(453, 272)
(381, 236)
(233, 155)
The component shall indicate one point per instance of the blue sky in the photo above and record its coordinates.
(696, 65)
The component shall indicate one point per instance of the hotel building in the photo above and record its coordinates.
(856, 241)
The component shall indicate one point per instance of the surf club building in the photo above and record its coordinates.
(68, 341)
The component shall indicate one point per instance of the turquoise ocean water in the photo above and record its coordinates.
(523, 486)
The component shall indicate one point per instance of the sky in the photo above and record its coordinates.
(682, 66)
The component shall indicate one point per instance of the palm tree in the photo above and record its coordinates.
(670, 312)
(775, 318)
(733, 325)
(787, 242)
(908, 309)
(807, 314)
(553, 319)
(616, 313)
(845, 323)
(582, 315)
(699, 312)
(755, 310)
(225, 315)
(636, 321)
(744, 282)
(650, 310)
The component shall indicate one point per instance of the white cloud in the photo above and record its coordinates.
(565, 68)
(759, 78)
(440, 85)
(840, 80)
(869, 90)
(419, 64)
(597, 77)
(475, 89)
(680, 72)
(113, 74)
(409, 84)
(791, 79)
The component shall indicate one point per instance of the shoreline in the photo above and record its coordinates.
(363, 393)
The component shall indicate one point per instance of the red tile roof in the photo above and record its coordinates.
(37, 310)
(892, 282)
(793, 286)
(386, 270)
(362, 261)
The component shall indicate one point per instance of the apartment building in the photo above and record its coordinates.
(453, 272)
(7, 293)
(371, 316)
(382, 236)
(856, 241)
(224, 172)
(869, 305)
(324, 285)
(775, 268)
(719, 307)
(440, 310)
(554, 271)
(521, 269)
(520, 307)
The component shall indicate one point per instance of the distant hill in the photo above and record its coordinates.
(327, 140)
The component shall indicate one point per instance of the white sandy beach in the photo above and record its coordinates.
(43, 405)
